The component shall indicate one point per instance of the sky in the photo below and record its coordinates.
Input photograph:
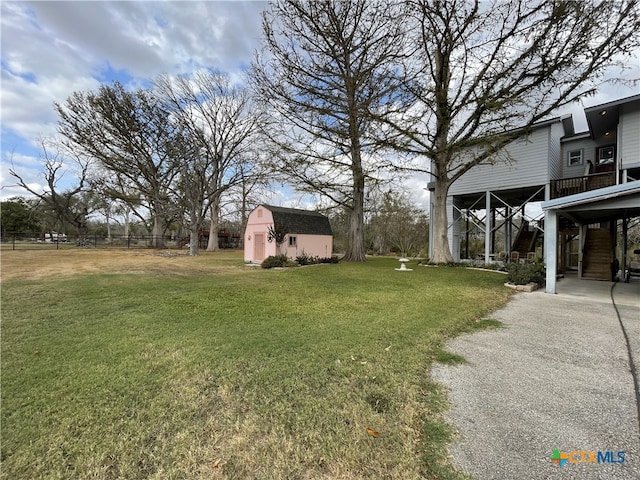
(51, 49)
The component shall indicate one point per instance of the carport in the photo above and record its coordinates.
(618, 202)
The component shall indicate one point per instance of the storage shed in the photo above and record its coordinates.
(306, 232)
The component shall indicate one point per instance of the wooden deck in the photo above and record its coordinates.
(571, 186)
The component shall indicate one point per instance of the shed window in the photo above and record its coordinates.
(605, 155)
(259, 213)
(292, 241)
(574, 157)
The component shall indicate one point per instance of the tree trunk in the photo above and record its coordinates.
(213, 246)
(108, 219)
(440, 223)
(194, 240)
(355, 248)
(157, 231)
(126, 222)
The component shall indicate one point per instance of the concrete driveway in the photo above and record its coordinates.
(556, 377)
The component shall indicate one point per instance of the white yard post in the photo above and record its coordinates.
(487, 229)
(551, 249)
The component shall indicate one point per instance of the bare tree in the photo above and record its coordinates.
(253, 185)
(326, 66)
(397, 224)
(493, 69)
(222, 122)
(70, 205)
(193, 189)
(132, 137)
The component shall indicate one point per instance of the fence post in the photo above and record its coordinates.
(14, 241)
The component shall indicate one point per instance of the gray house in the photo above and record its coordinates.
(558, 192)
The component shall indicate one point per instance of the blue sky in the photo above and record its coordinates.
(51, 49)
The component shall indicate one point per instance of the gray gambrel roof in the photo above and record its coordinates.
(300, 221)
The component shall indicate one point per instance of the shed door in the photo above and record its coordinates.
(258, 247)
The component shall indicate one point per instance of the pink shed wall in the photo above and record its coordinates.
(313, 245)
(258, 225)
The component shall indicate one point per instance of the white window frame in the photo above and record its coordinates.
(575, 157)
(606, 147)
(293, 241)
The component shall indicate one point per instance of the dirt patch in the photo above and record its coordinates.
(33, 265)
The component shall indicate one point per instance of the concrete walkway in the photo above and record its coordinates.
(557, 377)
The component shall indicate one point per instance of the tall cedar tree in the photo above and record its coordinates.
(325, 68)
(493, 69)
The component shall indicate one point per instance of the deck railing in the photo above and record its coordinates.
(571, 186)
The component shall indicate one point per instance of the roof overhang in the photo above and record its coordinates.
(604, 118)
(601, 205)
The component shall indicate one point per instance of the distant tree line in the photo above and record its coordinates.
(393, 225)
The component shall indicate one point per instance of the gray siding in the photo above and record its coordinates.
(629, 126)
(528, 166)
(588, 147)
(555, 153)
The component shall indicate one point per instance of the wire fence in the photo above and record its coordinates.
(59, 241)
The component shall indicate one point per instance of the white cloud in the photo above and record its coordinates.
(27, 166)
(51, 49)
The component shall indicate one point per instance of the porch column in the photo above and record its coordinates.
(487, 228)
(582, 238)
(508, 242)
(625, 226)
(466, 235)
(551, 249)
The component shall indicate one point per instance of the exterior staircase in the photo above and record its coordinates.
(597, 259)
(525, 242)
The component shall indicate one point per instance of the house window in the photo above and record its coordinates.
(574, 157)
(260, 213)
(292, 241)
(605, 155)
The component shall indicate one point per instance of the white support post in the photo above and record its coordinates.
(508, 242)
(487, 229)
(625, 246)
(582, 238)
(551, 249)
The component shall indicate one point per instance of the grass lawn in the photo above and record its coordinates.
(206, 368)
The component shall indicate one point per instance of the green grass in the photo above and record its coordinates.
(245, 373)
(448, 358)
